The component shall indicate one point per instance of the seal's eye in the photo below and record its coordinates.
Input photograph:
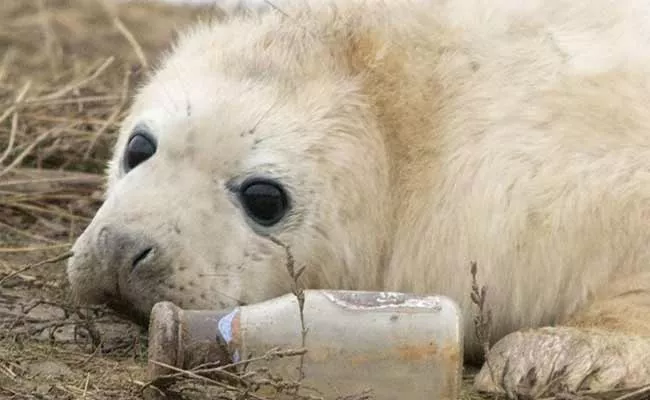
(140, 147)
(264, 201)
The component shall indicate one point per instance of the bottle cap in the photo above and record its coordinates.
(184, 339)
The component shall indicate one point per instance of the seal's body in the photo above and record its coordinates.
(389, 145)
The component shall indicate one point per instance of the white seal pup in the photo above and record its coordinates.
(390, 144)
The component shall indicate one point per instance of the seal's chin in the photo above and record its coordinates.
(116, 304)
(125, 310)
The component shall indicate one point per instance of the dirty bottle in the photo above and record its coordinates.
(389, 345)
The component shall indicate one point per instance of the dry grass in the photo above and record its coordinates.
(65, 81)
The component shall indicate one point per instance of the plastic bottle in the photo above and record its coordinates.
(397, 345)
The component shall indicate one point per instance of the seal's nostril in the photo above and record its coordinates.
(138, 259)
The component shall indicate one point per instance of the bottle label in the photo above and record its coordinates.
(379, 300)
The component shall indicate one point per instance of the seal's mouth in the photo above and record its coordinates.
(125, 310)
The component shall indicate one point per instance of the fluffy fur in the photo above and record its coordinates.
(413, 137)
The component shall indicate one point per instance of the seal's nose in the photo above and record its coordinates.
(141, 257)
(124, 250)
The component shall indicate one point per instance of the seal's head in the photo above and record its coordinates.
(251, 128)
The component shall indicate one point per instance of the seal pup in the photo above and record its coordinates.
(390, 144)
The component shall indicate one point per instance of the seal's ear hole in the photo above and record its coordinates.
(140, 147)
(265, 201)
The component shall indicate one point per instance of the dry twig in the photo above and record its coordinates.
(483, 319)
(52, 260)
(298, 292)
